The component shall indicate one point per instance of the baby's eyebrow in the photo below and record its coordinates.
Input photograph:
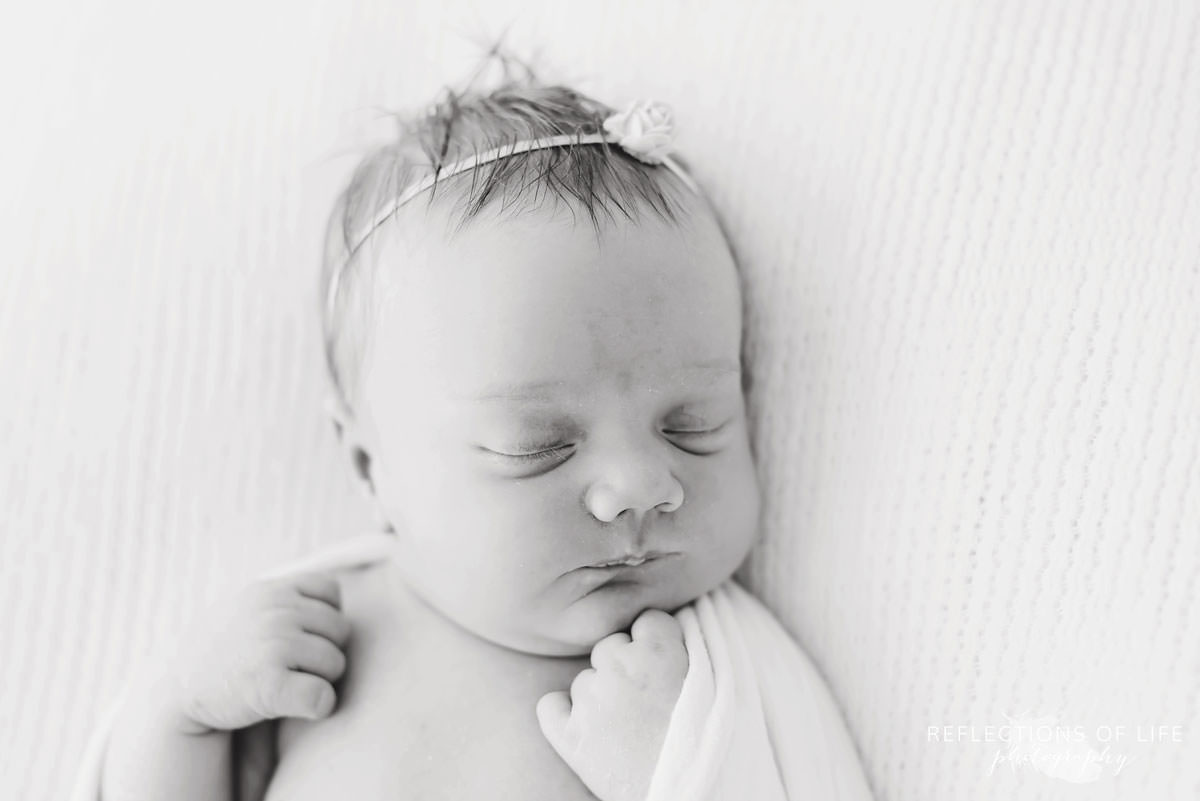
(715, 366)
(545, 390)
(534, 391)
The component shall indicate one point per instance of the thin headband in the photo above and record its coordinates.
(645, 131)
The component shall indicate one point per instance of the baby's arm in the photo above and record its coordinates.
(273, 650)
(152, 754)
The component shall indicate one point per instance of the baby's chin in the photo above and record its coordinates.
(575, 630)
(583, 609)
(613, 607)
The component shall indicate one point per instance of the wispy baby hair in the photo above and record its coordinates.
(602, 181)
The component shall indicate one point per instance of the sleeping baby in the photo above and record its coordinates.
(533, 323)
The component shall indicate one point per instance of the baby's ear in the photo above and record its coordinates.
(345, 428)
(338, 413)
(352, 442)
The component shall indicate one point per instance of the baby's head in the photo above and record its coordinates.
(537, 365)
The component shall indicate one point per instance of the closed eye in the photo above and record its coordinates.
(558, 453)
(693, 432)
(697, 441)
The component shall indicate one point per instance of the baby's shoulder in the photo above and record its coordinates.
(363, 605)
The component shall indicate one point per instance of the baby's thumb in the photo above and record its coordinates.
(553, 712)
(304, 695)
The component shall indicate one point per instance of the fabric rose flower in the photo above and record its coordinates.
(646, 130)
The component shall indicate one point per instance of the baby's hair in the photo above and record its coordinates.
(600, 180)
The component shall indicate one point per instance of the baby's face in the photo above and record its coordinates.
(538, 401)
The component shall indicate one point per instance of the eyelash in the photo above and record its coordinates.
(536, 456)
(693, 432)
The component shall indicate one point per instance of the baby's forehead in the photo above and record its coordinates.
(533, 300)
(503, 268)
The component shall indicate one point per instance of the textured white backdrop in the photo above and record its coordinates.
(971, 238)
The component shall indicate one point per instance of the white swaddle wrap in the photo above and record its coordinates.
(754, 719)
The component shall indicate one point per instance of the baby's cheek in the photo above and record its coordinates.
(516, 525)
(744, 504)
(722, 513)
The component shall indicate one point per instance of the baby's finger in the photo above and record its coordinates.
(318, 617)
(583, 681)
(605, 652)
(314, 654)
(656, 625)
(294, 694)
(553, 713)
(320, 586)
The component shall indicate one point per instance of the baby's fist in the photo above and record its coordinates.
(611, 725)
(272, 650)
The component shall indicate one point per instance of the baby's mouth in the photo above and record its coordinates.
(625, 572)
(631, 560)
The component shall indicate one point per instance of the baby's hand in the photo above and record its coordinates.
(271, 650)
(610, 728)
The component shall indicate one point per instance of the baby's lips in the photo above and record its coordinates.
(595, 577)
(632, 559)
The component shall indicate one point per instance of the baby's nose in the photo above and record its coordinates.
(636, 482)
